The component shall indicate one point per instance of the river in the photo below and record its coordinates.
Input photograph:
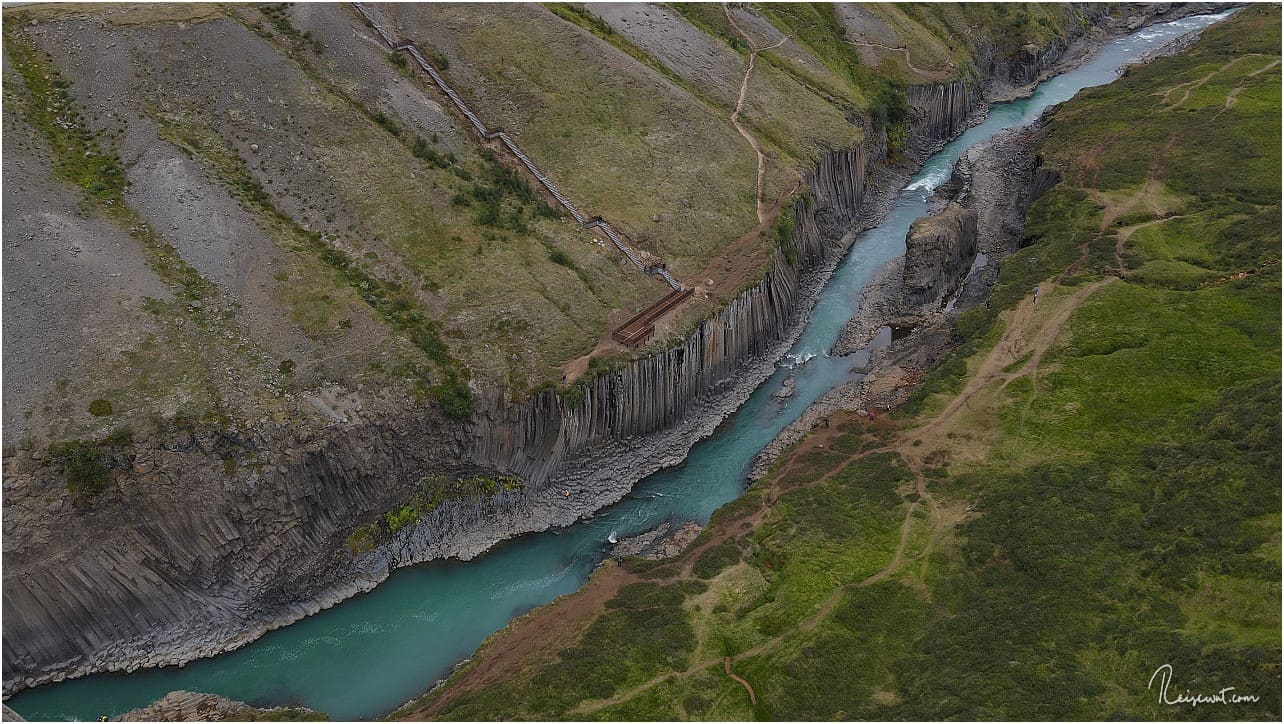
(369, 654)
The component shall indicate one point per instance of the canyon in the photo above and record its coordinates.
(137, 578)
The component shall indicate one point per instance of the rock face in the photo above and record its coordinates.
(664, 541)
(938, 249)
(944, 109)
(142, 582)
(190, 706)
(534, 439)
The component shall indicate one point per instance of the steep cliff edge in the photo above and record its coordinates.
(190, 706)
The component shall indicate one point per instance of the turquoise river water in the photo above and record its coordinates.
(365, 656)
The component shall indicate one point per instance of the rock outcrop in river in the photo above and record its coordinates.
(938, 249)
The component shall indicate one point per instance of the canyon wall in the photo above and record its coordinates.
(140, 581)
(942, 110)
(534, 438)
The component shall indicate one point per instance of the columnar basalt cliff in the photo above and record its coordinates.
(535, 439)
(944, 109)
(135, 580)
(938, 249)
(268, 547)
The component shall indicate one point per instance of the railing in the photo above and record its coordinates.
(487, 134)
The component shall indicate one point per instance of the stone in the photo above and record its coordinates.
(938, 249)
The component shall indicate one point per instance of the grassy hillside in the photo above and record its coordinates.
(1086, 491)
(337, 224)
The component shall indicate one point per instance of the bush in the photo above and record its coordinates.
(439, 61)
(388, 124)
(591, 669)
(782, 232)
(426, 153)
(454, 396)
(573, 396)
(121, 437)
(82, 466)
(100, 408)
(716, 560)
(557, 256)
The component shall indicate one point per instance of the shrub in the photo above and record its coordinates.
(454, 396)
(82, 465)
(121, 437)
(781, 234)
(573, 396)
(100, 408)
(439, 61)
(557, 256)
(388, 124)
(715, 560)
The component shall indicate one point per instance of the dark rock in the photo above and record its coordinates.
(938, 249)
(191, 706)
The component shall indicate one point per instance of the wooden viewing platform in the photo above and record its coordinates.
(642, 325)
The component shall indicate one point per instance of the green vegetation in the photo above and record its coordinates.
(195, 340)
(87, 464)
(412, 202)
(430, 494)
(389, 299)
(82, 465)
(100, 408)
(1107, 505)
(278, 15)
(716, 559)
(710, 18)
(426, 153)
(782, 231)
(560, 257)
(584, 17)
(573, 396)
(890, 111)
(502, 197)
(591, 669)
(818, 28)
